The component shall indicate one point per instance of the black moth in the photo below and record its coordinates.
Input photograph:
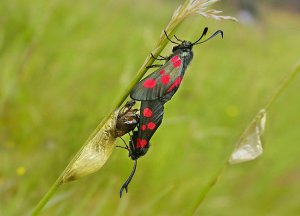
(154, 91)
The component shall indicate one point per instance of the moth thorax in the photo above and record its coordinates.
(185, 54)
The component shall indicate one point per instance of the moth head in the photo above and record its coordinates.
(187, 45)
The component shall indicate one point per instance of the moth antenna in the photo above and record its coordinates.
(178, 38)
(169, 38)
(125, 185)
(203, 34)
(215, 34)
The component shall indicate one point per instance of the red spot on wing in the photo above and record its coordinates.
(176, 61)
(175, 84)
(177, 64)
(165, 79)
(151, 125)
(143, 127)
(147, 112)
(141, 143)
(162, 72)
(149, 83)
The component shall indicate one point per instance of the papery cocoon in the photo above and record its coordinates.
(95, 153)
(250, 145)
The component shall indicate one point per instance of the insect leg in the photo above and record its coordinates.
(155, 65)
(127, 148)
(169, 38)
(161, 58)
(178, 38)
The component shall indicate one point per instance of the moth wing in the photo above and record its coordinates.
(150, 119)
(157, 84)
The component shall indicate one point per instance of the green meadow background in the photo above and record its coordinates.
(63, 66)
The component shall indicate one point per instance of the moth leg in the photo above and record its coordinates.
(161, 58)
(126, 146)
(178, 38)
(155, 65)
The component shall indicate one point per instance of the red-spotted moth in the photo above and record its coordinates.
(154, 91)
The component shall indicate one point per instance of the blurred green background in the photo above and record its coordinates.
(63, 65)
